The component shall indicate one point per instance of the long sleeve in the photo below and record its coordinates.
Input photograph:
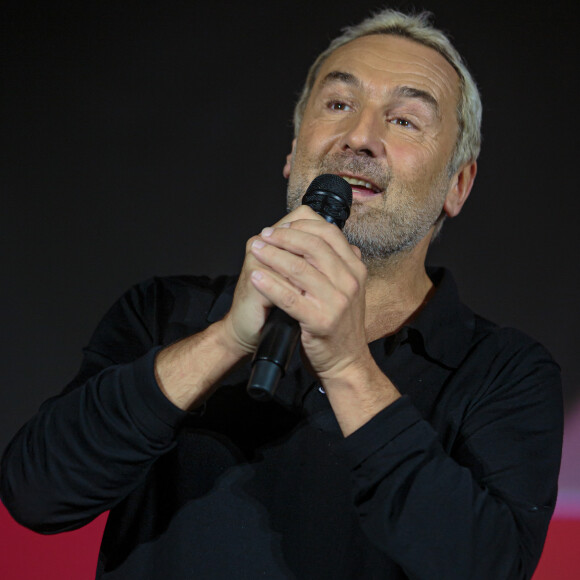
(89, 447)
(471, 496)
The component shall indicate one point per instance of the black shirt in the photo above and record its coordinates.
(455, 480)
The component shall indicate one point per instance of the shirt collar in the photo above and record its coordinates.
(445, 326)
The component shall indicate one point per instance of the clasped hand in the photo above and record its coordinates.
(306, 267)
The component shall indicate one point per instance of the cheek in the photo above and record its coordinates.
(309, 152)
(317, 136)
(407, 158)
(413, 160)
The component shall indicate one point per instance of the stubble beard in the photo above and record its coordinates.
(383, 232)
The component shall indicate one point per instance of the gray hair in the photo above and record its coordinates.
(416, 27)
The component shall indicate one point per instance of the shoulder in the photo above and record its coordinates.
(466, 333)
(514, 367)
(160, 310)
(163, 292)
(159, 287)
(508, 344)
(168, 291)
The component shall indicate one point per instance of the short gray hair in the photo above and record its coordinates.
(416, 27)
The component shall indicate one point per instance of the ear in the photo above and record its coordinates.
(461, 184)
(288, 165)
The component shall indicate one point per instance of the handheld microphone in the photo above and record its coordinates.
(331, 197)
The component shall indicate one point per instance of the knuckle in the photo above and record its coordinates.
(288, 299)
(305, 211)
(342, 301)
(250, 242)
(316, 244)
(325, 321)
(362, 272)
(298, 267)
(351, 287)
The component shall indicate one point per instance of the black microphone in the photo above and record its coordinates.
(331, 197)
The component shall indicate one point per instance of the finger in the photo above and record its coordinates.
(299, 255)
(250, 264)
(308, 241)
(294, 268)
(330, 293)
(301, 212)
(300, 306)
(329, 232)
(304, 212)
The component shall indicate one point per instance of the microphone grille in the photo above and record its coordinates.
(332, 184)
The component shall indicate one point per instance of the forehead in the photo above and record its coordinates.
(384, 61)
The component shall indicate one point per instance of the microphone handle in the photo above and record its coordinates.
(278, 342)
(331, 197)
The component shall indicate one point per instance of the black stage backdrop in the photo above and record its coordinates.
(147, 138)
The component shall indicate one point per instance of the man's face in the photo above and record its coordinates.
(382, 114)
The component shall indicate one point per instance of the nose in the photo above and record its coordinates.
(364, 134)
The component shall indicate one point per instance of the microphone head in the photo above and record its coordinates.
(330, 196)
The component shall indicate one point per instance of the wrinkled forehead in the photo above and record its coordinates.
(382, 62)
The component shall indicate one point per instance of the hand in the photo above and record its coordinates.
(188, 371)
(250, 308)
(306, 267)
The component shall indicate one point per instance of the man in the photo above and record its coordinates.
(409, 439)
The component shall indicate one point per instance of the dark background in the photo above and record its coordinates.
(148, 138)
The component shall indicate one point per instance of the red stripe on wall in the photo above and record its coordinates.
(26, 555)
(561, 557)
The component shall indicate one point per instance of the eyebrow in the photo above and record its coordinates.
(406, 92)
(339, 76)
(400, 92)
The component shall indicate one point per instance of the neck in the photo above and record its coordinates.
(397, 288)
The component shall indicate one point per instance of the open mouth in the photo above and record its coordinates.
(360, 186)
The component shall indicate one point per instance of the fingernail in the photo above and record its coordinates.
(258, 244)
(267, 232)
(257, 275)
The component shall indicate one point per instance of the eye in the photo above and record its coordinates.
(339, 106)
(405, 123)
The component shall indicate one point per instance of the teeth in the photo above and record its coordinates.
(353, 181)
